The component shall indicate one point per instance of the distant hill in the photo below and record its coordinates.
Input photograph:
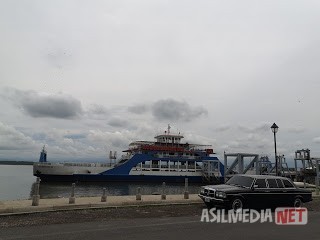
(16, 163)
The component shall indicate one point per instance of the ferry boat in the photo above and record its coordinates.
(167, 159)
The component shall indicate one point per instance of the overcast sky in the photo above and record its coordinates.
(87, 77)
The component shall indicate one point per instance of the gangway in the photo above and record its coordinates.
(211, 171)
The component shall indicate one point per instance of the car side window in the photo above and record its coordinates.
(280, 184)
(287, 183)
(272, 183)
(261, 183)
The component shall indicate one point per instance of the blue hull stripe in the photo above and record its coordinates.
(126, 167)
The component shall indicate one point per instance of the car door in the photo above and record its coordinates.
(258, 196)
(275, 194)
(289, 192)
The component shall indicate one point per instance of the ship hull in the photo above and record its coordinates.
(117, 178)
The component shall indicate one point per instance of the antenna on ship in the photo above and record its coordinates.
(169, 128)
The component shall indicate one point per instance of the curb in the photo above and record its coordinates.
(25, 211)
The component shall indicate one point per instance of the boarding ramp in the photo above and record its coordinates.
(211, 171)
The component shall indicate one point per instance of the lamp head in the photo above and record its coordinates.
(274, 128)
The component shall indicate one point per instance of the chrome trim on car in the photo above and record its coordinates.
(212, 198)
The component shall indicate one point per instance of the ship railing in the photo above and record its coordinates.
(43, 163)
(173, 168)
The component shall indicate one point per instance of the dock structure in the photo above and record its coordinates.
(265, 165)
(304, 166)
(284, 170)
(238, 164)
(317, 175)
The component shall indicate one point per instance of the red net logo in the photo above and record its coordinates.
(291, 216)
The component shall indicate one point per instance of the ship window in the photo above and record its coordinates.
(164, 164)
(146, 164)
(191, 165)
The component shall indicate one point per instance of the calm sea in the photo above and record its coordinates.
(16, 182)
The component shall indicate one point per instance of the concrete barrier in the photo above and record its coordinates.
(138, 195)
(36, 196)
(186, 189)
(104, 196)
(72, 199)
(163, 192)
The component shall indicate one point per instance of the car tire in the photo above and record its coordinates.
(236, 204)
(297, 202)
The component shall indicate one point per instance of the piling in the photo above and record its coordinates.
(186, 190)
(317, 177)
(72, 199)
(163, 195)
(138, 195)
(104, 196)
(36, 196)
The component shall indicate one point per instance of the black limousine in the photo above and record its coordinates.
(255, 191)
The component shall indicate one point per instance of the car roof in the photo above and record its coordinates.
(261, 176)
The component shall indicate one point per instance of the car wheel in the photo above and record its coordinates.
(297, 202)
(236, 204)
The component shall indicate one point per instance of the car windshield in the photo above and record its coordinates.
(241, 181)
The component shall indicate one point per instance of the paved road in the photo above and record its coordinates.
(165, 228)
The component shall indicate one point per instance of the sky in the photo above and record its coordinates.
(88, 77)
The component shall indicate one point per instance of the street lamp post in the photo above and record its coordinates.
(274, 129)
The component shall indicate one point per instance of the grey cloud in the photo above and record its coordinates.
(262, 127)
(138, 109)
(75, 136)
(316, 140)
(39, 136)
(170, 109)
(297, 129)
(118, 122)
(223, 128)
(12, 139)
(97, 109)
(46, 105)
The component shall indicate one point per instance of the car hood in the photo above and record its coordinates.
(224, 187)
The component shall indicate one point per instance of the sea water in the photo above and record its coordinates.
(17, 182)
